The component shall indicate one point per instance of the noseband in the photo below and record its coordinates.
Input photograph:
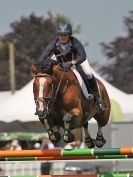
(49, 100)
(52, 98)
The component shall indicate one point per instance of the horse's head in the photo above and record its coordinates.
(44, 89)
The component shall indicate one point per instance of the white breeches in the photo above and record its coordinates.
(85, 66)
(87, 69)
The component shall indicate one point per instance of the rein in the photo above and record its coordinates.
(52, 97)
(59, 84)
(47, 75)
(58, 55)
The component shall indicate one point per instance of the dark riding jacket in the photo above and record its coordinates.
(74, 50)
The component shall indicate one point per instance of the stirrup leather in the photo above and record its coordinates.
(90, 96)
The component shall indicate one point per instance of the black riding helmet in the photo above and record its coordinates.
(64, 28)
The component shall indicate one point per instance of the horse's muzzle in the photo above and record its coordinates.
(40, 113)
(43, 113)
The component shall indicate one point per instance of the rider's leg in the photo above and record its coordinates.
(85, 78)
(93, 85)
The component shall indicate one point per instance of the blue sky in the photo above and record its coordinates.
(100, 20)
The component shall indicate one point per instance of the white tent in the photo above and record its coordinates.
(21, 106)
(125, 100)
(5, 95)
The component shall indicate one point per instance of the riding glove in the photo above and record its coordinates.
(66, 65)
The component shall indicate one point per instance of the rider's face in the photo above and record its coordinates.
(63, 38)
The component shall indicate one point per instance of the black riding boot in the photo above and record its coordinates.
(94, 87)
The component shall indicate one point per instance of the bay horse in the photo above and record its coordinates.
(60, 102)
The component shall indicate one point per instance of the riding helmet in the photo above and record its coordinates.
(64, 28)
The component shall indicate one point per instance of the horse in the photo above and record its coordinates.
(60, 103)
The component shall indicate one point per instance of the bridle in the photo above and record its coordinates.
(49, 100)
(54, 91)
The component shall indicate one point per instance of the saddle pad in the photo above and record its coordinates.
(81, 81)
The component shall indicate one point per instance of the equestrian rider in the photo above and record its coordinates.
(73, 53)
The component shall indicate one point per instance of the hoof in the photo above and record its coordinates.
(70, 138)
(57, 137)
(100, 141)
(90, 143)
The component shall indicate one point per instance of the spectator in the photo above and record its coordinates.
(1, 172)
(75, 145)
(74, 167)
(15, 145)
(69, 146)
(46, 166)
(37, 145)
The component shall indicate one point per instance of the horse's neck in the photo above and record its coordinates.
(63, 78)
(58, 73)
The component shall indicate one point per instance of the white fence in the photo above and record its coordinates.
(58, 167)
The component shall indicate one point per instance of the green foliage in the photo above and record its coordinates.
(59, 18)
(30, 36)
(23, 136)
(119, 71)
(1, 45)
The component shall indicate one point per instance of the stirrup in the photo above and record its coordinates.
(101, 105)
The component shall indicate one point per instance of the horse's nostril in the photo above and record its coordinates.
(39, 113)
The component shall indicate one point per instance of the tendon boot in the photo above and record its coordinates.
(94, 87)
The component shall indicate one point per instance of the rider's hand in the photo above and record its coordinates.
(73, 62)
(66, 65)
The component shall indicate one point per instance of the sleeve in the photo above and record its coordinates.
(48, 51)
(81, 54)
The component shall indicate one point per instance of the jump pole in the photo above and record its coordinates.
(66, 158)
(81, 175)
(67, 152)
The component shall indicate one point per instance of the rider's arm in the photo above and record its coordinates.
(48, 51)
(81, 54)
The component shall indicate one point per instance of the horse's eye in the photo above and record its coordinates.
(50, 86)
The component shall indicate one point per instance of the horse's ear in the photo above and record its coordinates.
(34, 68)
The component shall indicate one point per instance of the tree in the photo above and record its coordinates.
(119, 71)
(30, 36)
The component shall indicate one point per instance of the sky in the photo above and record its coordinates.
(100, 20)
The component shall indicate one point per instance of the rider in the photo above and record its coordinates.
(69, 51)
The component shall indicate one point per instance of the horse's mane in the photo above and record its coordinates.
(46, 66)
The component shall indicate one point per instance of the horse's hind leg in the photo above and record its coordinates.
(100, 141)
(90, 143)
(102, 120)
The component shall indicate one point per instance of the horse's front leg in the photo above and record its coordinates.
(68, 136)
(53, 134)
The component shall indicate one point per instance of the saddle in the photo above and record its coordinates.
(84, 84)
